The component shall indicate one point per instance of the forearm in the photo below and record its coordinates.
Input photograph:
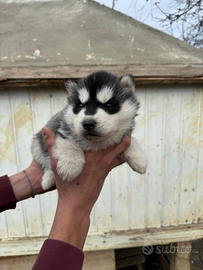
(21, 186)
(70, 226)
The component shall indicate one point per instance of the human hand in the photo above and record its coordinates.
(77, 198)
(82, 192)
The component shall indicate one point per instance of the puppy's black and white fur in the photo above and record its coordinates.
(100, 111)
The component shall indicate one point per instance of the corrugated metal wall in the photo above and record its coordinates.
(169, 127)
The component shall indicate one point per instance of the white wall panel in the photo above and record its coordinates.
(188, 157)
(42, 110)
(199, 187)
(169, 128)
(7, 152)
(155, 117)
(20, 116)
(171, 155)
(137, 183)
(102, 218)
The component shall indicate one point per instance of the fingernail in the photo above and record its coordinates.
(126, 139)
(45, 134)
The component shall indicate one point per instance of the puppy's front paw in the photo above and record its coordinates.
(71, 169)
(70, 159)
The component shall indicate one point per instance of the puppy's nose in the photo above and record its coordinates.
(89, 125)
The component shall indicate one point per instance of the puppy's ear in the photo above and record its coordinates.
(70, 86)
(128, 81)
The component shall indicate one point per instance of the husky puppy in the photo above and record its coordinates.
(100, 111)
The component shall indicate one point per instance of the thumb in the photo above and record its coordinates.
(50, 137)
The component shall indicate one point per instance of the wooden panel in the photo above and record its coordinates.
(143, 74)
(60, 82)
(102, 212)
(20, 115)
(120, 195)
(58, 98)
(23, 126)
(199, 187)
(171, 155)
(181, 260)
(111, 240)
(155, 117)
(188, 158)
(170, 127)
(8, 161)
(43, 110)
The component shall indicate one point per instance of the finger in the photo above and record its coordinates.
(116, 162)
(49, 137)
(109, 149)
(118, 149)
(50, 140)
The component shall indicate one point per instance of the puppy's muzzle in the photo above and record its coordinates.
(89, 125)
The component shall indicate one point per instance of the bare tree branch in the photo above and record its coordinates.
(189, 13)
(187, 16)
(114, 3)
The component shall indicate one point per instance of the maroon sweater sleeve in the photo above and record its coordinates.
(55, 255)
(7, 196)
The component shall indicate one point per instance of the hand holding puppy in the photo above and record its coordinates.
(77, 198)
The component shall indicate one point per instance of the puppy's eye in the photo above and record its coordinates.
(79, 105)
(109, 104)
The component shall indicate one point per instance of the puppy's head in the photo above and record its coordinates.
(102, 106)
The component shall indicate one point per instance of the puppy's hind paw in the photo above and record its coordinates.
(138, 165)
(48, 180)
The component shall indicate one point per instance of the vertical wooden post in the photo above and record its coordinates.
(181, 258)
